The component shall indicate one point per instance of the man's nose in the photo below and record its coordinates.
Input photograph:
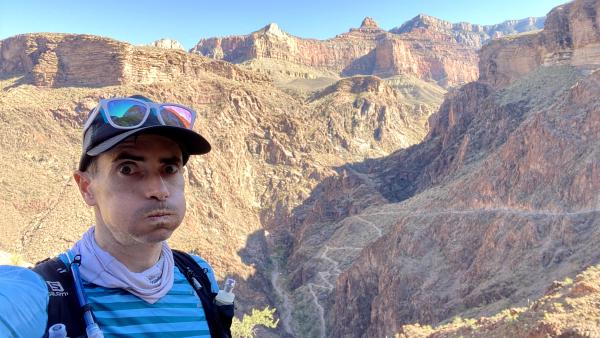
(156, 188)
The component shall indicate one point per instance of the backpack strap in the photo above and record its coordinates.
(219, 317)
(63, 306)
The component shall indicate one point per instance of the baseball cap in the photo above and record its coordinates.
(101, 136)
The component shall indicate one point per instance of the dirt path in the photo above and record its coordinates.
(377, 229)
(332, 269)
(286, 306)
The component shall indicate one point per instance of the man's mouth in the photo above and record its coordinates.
(159, 213)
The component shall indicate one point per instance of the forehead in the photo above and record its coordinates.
(148, 146)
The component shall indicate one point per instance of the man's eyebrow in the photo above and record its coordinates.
(171, 160)
(128, 156)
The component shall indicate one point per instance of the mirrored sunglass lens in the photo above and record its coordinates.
(126, 113)
(176, 116)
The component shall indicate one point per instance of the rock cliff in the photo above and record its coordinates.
(358, 204)
(497, 202)
(367, 50)
(571, 36)
(425, 47)
(470, 34)
(59, 60)
(566, 310)
(168, 44)
(270, 148)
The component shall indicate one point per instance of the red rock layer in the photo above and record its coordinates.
(368, 50)
(92, 61)
(571, 36)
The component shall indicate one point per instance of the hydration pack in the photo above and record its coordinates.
(63, 306)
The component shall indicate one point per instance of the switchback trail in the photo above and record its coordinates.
(328, 275)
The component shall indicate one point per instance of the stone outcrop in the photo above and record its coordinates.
(376, 115)
(167, 44)
(497, 202)
(425, 47)
(368, 50)
(571, 36)
(470, 34)
(369, 23)
(272, 42)
(351, 209)
(270, 148)
(566, 310)
(85, 60)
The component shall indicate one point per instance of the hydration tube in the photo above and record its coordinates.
(91, 327)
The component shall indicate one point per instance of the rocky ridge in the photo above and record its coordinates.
(269, 148)
(470, 34)
(424, 47)
(570, 37)
(367, 50)
(167, 44)
(567, 309)
(60, 60)
(306, 199)
(497, 202)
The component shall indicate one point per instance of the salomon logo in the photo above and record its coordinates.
(56, 289)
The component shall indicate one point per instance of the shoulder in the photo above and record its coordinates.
(209, 271)
(203, 263)
(23, 277)
(26, 312)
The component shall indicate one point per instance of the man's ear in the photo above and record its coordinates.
(84, 181)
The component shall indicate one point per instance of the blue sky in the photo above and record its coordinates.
(141, 22)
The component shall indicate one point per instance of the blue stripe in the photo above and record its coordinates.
(129, 321)
(175, 291)
(103, 291)
(168, 298)
(141, 305)
(178, 314)
(164, 312)
(149, 328)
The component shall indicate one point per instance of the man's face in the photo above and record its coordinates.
(138, 190)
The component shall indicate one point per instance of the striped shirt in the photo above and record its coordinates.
(177, 314)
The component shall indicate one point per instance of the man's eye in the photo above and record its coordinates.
(126, 169)
(171, 169)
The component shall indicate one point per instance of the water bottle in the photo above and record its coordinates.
(225, 296)
(57, 331)
(93, 331)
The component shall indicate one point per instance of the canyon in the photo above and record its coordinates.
(361, 184)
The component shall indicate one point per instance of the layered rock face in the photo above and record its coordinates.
(469, 34)
(368, 50)
(272, 42)
(567, 310)
(168, 44)
(498, 201)
(270, 149)
(379, 117)
(350, 208)
(82, 60)
(519, 222)
(571, 36)
(425, 47)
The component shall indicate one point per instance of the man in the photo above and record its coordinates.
(127, 280)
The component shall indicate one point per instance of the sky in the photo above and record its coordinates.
(141, 22)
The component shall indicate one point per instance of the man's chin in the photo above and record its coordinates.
(157, 235)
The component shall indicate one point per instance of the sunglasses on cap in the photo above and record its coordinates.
(131, 113)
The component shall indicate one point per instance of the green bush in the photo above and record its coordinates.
(247, 326)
